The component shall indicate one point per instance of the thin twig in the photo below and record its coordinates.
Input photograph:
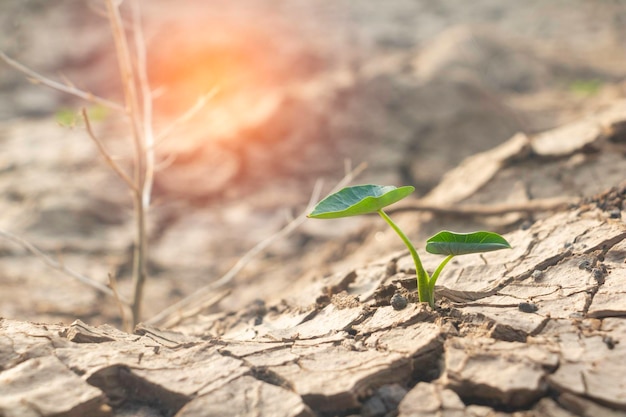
(105, 154)
(185, 117)
(531, 206)
(146, 98)
(131, 98)
(48, 261)
(262, 245)
(166, 162)
(71, 90)
(189, 302)
(113, 285)
(174, 320)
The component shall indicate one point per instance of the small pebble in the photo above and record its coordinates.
(528, 307)
(615, 214)
(610, 342)
(598, 274)
(527, 224)
(537, 275)
(398, 301)
(584, 264)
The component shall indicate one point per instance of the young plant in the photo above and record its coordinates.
(366, 199)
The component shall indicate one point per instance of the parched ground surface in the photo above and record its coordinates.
(538, 330)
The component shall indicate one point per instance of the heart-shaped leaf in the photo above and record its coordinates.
(450, 243)
(359, 199)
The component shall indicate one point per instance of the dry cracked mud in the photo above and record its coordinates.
(543, 336)
(538, 330)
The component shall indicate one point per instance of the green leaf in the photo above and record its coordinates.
(72, 117)
(66, 117)
(97, 113)
(450, 243)
(359, 199)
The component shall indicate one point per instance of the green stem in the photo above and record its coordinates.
(423, 288)
(433, 278)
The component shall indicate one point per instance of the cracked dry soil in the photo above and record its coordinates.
(482, 352)
(538, 330)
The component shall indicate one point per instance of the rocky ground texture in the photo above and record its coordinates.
(535, 331)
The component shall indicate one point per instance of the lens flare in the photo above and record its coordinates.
(241, 62)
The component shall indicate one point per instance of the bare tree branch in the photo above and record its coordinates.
(146, 103)
(71, 90)
(105, 154)
(174, 320)
(132, 99)
(185, 117)
(113, 285)
(47, 260)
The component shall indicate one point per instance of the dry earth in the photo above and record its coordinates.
(535, 331)
(411, 87)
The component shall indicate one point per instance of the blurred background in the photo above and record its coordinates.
(411, 87)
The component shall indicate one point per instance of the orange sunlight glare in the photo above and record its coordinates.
(191, 61)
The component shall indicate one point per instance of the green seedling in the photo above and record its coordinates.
(366, 199)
